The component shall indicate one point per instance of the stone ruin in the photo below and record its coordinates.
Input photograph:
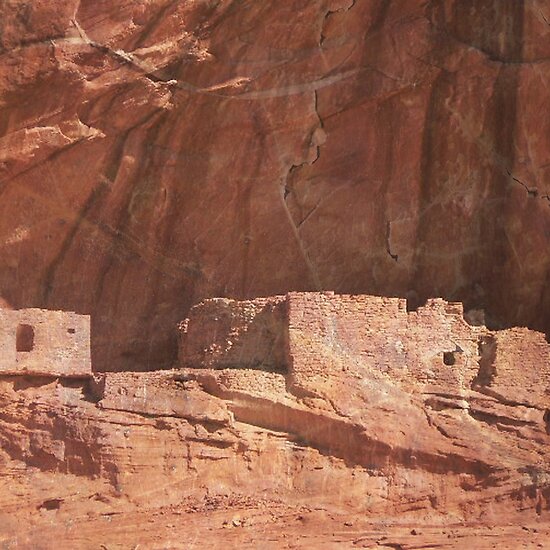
(312, 336)
(309, 337)
(39, 342)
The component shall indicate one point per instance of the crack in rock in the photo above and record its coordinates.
(531, 191)
(544, 17)
(393, 256)
(155, 75)
(328, 14)
(122, 56)
(318, 135)
(317, 138)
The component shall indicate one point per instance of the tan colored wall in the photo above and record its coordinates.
(520, 369)
(61, 343)
(315, 334)
(330, 332)
(222, 333)
(434, 329)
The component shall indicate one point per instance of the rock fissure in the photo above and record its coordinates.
(393, 256)
(121, 56)
(328, 14)
(531, 191)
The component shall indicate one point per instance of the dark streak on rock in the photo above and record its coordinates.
(388, 242)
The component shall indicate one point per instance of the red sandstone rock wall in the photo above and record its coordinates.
(153, 154)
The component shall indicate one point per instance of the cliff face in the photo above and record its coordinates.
(159, 152)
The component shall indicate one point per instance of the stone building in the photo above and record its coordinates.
(311, 336)
(44, 343)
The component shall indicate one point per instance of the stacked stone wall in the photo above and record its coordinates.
(315, 336)
(43, 342)
(520, 368)
(221, 333)
(328, 332)
(442, 348)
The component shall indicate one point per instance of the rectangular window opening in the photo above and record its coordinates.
(24, 338)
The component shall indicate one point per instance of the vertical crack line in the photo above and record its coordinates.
(301, 246)
(284, 192)
(318, 136)
(394, 257)
(316, 139)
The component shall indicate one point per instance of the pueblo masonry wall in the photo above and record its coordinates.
(314, 335)
(44, 343)
(517, 364)
(329, 332)
(223, 333)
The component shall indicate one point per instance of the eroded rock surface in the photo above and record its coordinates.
(160, 152)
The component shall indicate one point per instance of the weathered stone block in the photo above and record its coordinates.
(44, 343)
(222, 333)
(314, 335)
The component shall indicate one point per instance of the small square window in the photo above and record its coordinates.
(449, 358)
(24, 338)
